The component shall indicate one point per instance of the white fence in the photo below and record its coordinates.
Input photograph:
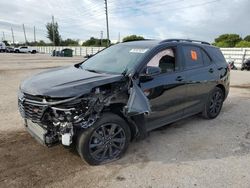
(77, 50)
(238, 55)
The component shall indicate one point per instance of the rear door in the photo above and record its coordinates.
(166, 91)
(200, 77)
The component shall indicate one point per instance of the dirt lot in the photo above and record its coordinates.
(190, 153)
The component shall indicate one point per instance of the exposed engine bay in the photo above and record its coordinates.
(60, 119)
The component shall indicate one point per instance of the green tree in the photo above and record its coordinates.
(69, 42)
(243, 44)
(95, 42)
(6, 42)
(227, 40)
(50, 27)
(132, 38)
(247, 38)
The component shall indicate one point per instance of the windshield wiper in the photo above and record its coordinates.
(92, 70)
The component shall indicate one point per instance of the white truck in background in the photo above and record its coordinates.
(2, 47)
(25, 49)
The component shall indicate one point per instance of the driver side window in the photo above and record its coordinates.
(164, 60)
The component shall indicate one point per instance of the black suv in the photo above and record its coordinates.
(123, 92)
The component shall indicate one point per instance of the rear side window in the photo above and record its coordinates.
(216, 54)
(192, 57)
(206, 59)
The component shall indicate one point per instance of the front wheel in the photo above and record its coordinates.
(105, 141)
(214, 104)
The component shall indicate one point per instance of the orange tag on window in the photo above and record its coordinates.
(194, 55)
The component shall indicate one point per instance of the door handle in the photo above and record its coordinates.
(179, 78)
(211, 70)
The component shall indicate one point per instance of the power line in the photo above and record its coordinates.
(150, 11)
(146, 4)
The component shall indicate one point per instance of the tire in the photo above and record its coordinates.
(33, 52)
(95, 148)
(214, 104)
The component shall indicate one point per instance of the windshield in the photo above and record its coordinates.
(115, 59)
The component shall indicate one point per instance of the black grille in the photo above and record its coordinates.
(31, 111)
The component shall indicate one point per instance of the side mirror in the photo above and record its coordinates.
(149, 72)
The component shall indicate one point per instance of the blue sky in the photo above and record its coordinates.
(158, 19)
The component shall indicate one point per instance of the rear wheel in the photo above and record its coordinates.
(105, 141)
(214, 104)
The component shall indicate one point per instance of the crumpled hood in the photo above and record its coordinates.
(65, 82)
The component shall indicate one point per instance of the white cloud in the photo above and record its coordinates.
(81, 19)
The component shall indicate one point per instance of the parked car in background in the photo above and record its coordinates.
(2, 47)
(246, 65)
(25, 49)
(232, 65)
(123, 92)
(9, 49)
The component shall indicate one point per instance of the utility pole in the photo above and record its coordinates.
(13, 36)
(3, 36)
(101, 37)
(35, 34)
(53, 30)
(107, 20)
(24, 34)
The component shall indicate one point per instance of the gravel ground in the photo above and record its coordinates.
(189, 153)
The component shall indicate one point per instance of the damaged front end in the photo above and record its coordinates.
(57, 120)
(53, 120)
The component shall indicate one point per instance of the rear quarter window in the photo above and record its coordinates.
(192, 57)
(206, 59)
(216, 54)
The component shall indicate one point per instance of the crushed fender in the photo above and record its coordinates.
(137, 103)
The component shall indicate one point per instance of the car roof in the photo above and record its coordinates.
(153, 43)
(141, 43)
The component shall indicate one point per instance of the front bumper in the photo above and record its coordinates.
(35, 131)
(39, 133)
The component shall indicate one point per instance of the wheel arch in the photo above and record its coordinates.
(222, 87)
(117, 109)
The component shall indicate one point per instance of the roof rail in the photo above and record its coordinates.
(185, 40)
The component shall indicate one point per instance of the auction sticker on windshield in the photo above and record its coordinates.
(138, 50)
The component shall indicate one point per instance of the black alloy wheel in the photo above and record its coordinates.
(214, 104)
(105, 141)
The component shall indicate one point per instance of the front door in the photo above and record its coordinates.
(166, 91)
